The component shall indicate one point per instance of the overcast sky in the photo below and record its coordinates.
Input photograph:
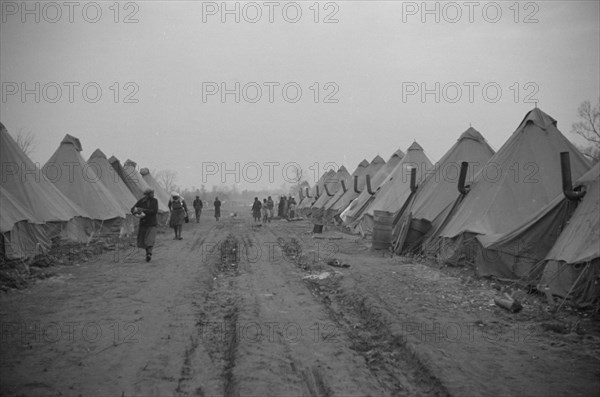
(360, 78)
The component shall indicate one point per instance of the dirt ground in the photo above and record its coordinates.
(239, 309)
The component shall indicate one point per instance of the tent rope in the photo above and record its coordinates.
(573, 286)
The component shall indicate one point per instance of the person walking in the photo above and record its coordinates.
(265, 211)
(281, 207)
(256, 209)
(270, 207)
(178, 210)
(197, 204)
(286, 210)
(146, 209)
(292, 208)
(217, 205)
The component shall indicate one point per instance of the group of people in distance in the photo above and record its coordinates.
(265, 211)
(146, 209)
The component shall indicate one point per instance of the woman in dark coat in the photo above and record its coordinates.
(146, 209)
(217, 204)
(178, 214)
(256, 207)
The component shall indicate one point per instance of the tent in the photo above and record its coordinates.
(30, 188)
(115, 185)
(23, 235)
(518, 181)
(132, 179)
(160, 193)
(111, 180)
(344, 201)
(572, 267)
(439, 189)
(304, 208)
(358, 172)
(67, 170)
(358, 205)
(331, 187)
(395, 190)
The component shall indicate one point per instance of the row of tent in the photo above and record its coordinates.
(513, 214)
(67, 198)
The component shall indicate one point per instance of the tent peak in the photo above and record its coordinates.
(377, 159)
(70, 139)
(415, 146)
(398, 153)
(364, 163)
(471, 133)
(98, 153)
(539, 118)
(3, 128)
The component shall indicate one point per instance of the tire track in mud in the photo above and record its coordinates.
(250, 289)
(187, 367)
(303, 364)
(210, 357)
(386, 355)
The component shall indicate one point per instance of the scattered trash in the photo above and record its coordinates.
(336, 262)
(321, 276)
(509, 303)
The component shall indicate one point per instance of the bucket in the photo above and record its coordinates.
(382, 229)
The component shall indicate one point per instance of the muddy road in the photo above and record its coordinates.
(238, 309)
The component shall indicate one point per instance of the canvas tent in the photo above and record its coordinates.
(572, 267)
(344, 201)
(161, 194)
(111, 180)
(314, 193)
(26, 182)
(358, 205)
(115, 185)
(23, 235)
(331, 187)
(518, 181)
(132, 179)
(359, 171)
(67, 170)
(439, 189)
(395, 190)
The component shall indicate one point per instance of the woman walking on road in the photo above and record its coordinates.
(265, 211)
(217, 204)
(146, 209)
(178, 214)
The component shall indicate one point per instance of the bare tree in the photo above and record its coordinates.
(26, 141)
(589, 128)
(167, 179)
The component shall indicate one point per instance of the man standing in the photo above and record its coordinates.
(146, 209)
(217, 204)
(198, 208)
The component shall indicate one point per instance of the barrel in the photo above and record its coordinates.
(382, 229)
